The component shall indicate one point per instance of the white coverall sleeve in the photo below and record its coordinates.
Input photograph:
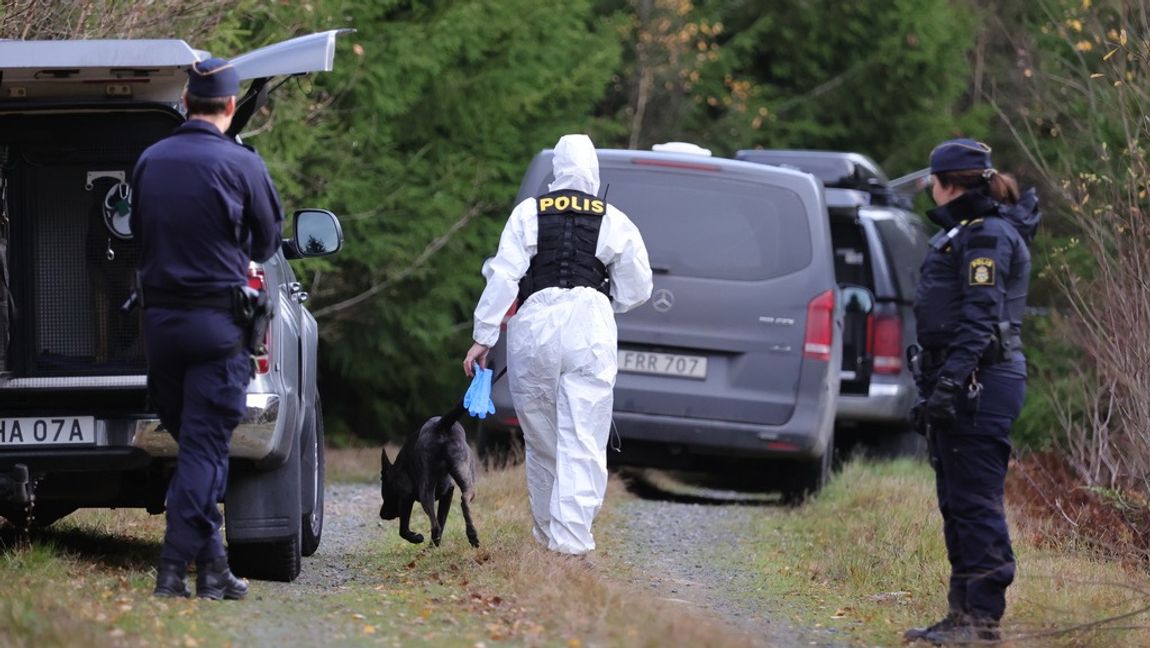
(517, 245)
(622, 250)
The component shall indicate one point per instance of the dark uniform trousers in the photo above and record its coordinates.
(970, 461)
(197, 377)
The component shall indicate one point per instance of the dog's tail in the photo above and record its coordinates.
(447, 420)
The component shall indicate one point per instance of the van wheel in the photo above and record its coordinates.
(273, 561)
(312, 475)
(493, 447)
(902, 442)
(809, 477)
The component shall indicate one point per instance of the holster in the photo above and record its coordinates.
(1003, 346)
(251, 309)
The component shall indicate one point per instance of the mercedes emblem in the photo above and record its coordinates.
(663, 300)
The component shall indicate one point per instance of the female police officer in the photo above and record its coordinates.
(969, 307)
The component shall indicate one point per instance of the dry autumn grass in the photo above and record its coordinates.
(865, 558)
(87, 582)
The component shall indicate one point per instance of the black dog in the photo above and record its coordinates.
(428, 467)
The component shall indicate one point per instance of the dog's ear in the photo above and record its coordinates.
(384, 464)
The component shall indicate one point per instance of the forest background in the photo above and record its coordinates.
(418, 139)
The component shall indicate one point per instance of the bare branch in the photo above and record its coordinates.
(427, 253)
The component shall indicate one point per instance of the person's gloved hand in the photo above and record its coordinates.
(940, 407)
(477, 400)
(918, 421)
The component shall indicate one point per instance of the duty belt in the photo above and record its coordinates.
(155, 298)
(932, 358)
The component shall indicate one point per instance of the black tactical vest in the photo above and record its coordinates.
(569, 223)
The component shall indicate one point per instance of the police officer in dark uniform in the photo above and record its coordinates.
(203, 207)
(972, 382)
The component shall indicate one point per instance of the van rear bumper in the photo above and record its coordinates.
(718, 438)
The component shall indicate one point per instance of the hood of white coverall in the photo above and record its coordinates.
(575, 165)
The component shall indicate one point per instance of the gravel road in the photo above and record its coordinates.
(686, 546)
(683, 549)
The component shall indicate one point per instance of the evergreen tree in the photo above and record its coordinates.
(417, 140)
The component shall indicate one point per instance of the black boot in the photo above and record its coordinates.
(971, 630)
(214, 580)
(170, 580)
(948, 622)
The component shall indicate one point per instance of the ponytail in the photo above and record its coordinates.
(1001, 186)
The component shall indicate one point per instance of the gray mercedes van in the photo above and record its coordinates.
(732, 367)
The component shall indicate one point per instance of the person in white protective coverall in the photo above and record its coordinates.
(572, 261)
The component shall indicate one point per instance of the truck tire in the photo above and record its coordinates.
(263, 518)
(273, 561)
(312, 475)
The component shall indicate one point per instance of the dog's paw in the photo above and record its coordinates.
(473, 539)
(435, 540)
(413, 538)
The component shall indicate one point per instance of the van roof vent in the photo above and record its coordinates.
(682, 147)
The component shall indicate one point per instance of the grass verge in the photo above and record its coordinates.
(867, 557)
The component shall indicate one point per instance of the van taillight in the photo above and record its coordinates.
(820, 327)
(888, 344)
(258, 281)
(510, 312)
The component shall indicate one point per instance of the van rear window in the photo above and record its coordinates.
(712, 227)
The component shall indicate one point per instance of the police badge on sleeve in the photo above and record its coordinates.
(982, 272)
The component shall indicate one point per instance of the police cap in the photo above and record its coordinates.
(959, 155)
(214, 77)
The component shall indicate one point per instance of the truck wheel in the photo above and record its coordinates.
(312, 475)
(262, 515)
(273, 561)
(809, 477)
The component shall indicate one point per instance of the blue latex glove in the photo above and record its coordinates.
(469, 397)
(477, 400)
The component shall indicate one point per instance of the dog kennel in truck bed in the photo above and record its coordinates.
(70, 257)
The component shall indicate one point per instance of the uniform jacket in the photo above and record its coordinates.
(975, 275)
(203, 206)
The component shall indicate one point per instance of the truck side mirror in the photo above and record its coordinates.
(317, 233)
